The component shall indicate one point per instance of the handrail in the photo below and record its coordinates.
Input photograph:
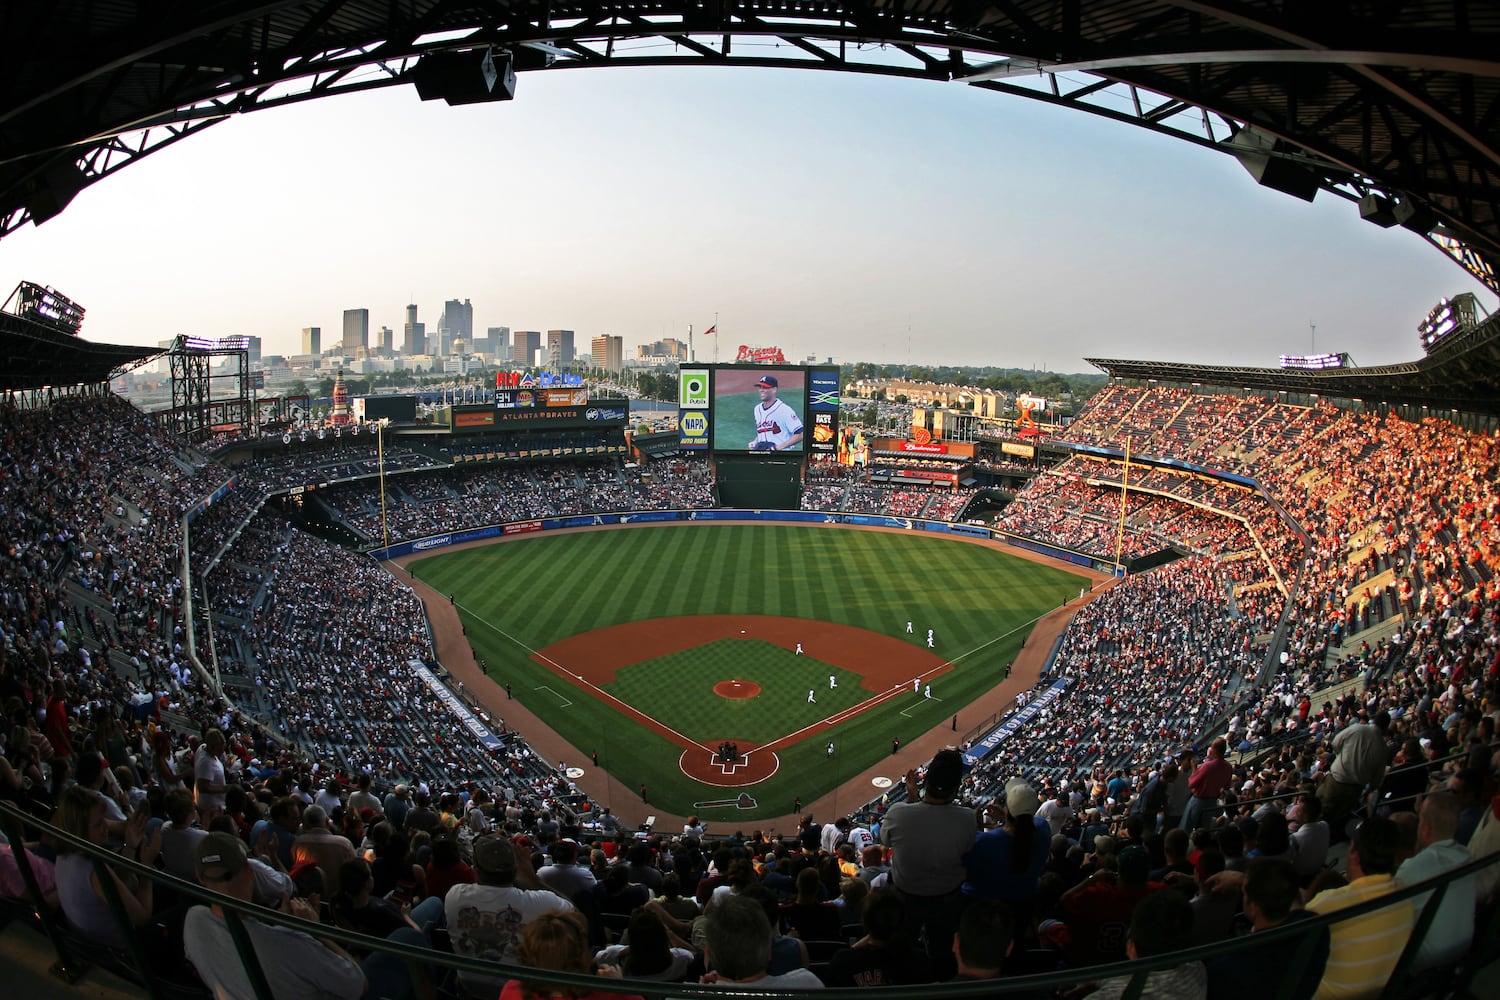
(15, 821)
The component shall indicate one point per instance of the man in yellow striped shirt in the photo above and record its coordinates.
(1362, 952)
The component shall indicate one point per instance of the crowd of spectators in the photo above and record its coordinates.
(855, 496)
(470, 497)
(106, 716)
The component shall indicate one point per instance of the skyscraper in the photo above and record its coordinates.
(499, 343)
(312, 340)
(559, 348)
(527, 343)
(415, 341)
(356, 330)
(608, 352)
(457, 321)
(387, 341)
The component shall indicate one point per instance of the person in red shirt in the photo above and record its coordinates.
(1097, 910)
(55, 725)
(1205, 786)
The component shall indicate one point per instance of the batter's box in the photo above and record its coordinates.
(744, 801)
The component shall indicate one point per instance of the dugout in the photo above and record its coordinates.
(759, 482)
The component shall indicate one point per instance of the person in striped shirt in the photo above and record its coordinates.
(1362, 951)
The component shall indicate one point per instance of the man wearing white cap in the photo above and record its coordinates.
(1007, 861)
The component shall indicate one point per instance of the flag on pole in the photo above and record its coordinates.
(710, 331)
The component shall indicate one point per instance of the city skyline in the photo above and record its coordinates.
(881, 220)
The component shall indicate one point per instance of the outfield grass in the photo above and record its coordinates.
(524, 595)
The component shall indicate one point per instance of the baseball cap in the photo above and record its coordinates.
(1020, 798)
(306, 877)
(944, 772)
(221, 856)
(768, 382)
(494, 857)
(1134, 864)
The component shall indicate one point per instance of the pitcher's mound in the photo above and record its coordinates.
(736, 689)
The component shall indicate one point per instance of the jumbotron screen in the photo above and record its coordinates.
(759, 408)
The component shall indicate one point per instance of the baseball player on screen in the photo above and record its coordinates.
(777, 427)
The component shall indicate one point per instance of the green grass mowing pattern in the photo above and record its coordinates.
(522, 596)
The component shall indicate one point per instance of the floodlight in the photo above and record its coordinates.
(468, 77)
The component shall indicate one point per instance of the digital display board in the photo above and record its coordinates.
(759, 408)
(823, 410)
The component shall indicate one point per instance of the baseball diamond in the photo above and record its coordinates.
(631, 642)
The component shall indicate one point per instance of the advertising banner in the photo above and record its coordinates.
(566, 397)
(823, 390)
(505, 399)
(581, 521)
(473, 420)
(692, 393)
(760, 355)
(924, 449)
(652, 515)
(456, 707)
(878, 521)
(927, 474)
(557, 416)
(1019, 450)
(824, 432)
(543, 380)
(692, 430)
(1015, 721)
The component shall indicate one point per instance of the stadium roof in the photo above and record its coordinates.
(34, 356)
(1397, 104)
(1462, 373)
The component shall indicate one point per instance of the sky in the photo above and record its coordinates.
(830, 214)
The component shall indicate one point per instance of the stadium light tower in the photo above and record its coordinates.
(385, 535)
(1456, 315)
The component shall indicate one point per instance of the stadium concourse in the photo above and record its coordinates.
(1338, 618)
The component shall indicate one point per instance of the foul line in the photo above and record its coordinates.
(624, 708)
(907, 711)
(1002, 636)
(560, 696)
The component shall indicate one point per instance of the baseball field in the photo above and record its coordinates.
(654, 646)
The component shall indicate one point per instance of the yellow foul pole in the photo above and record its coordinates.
(1124, 489)
(385, 535)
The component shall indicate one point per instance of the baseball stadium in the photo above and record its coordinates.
(499, 688)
